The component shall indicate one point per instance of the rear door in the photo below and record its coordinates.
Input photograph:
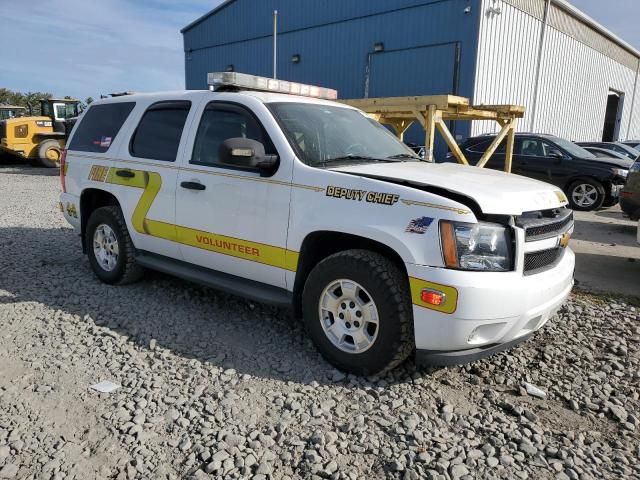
(145, 173)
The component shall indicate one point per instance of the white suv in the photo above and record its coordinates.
(308, 203)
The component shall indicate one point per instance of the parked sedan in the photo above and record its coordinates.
(588, 181)
(604, 153)
(618, 147)
(630, 195)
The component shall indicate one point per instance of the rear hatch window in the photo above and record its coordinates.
(99, 127)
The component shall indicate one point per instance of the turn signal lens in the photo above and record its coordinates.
(449, 248)
(432, 297)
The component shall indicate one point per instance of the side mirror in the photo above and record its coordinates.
(557, 154)
(247, 153)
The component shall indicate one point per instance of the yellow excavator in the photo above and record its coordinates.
(39, 139)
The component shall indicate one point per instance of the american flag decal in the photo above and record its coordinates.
(419, 225)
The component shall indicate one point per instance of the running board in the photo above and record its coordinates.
(257, 291)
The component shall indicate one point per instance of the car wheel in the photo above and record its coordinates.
(357, 310)
(110, 249)
(586, 195)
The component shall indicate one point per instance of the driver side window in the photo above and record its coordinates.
(532, 148)
(221, 122)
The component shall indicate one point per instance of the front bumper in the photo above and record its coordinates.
(494, 310)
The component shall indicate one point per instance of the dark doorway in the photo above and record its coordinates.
(613, 117)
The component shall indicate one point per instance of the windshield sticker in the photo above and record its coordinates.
(362, 195)
(419, 225)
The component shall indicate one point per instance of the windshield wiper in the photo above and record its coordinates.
(358, 157)
(404, 155)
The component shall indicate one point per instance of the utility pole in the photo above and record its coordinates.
(275, 42)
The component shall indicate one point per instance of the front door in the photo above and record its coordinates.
(533, 159)
(229, 219)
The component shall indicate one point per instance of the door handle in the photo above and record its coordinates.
(193, 185)
(125, 173)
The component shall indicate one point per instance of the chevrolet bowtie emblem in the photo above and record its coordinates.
(564, 240)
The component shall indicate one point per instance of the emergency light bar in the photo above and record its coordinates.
(264, 84)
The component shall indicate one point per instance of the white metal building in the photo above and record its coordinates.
(577, 79)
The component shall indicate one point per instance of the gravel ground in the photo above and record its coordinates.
(208, 393)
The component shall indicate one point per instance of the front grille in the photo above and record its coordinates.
(546, 224)
(536, 262)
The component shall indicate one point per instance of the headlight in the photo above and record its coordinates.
(621, 172)
(476, 246)
(635, 167)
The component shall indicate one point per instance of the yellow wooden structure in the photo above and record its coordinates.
(433, 111)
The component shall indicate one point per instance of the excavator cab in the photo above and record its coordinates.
(60, 111)
(11, 111)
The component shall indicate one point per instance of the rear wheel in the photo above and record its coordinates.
(357, 310)
(586, 195)
(49, 153)
(110, 249)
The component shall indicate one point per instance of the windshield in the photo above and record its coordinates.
(66, 110)
(573, 149)
(325, 135)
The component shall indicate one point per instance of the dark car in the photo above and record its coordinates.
(617, 147)
(589, 182)
(604, 153)
(630, 195)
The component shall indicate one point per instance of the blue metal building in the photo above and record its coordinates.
(492, 51)
(428, 46)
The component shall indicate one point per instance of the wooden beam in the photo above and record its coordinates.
(494, 146)
(508, 154)
(453, 145)
(430, 133)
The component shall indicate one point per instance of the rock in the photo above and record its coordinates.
(9, 471)
(458, 471)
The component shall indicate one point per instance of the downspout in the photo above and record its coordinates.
(633, 101)
(536, 88)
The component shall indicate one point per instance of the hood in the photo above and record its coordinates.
(495, 192)
(612, 162)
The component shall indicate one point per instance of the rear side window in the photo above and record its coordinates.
(100, 126)
(483, 146)
(159, 131)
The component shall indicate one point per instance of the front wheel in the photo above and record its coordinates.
(586, 195)
(357, 310)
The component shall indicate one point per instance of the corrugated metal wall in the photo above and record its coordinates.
(579, 67)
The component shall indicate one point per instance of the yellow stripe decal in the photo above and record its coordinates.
(451, 295)
(151, 182)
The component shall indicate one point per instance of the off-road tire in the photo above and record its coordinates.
(45, 146)
(389, 289)
(126, 270)
(587, 181)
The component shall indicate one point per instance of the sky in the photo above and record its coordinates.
(86, 48)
